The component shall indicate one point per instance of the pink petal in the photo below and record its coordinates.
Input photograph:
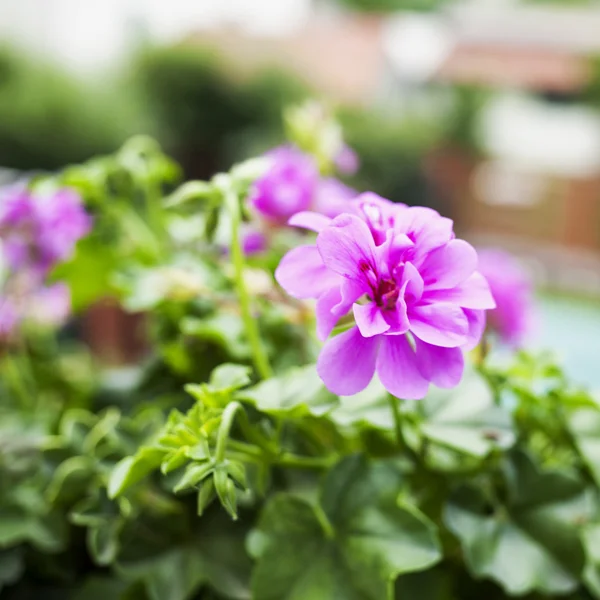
(428, 228)
(476, 320)
(439, 324)
(347, 247)
(397, 369)
(326, 314)
(472, 293)
(413, 281)
(347, 362)
(369, 319)
(309, 220)
(449, 265)
(442, 366)
(302, 274)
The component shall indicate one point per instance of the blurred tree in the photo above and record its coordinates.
(48, 119)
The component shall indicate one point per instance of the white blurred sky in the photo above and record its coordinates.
(90, 34)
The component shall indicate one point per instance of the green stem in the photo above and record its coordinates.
(250, 323)
(241, 449)
(325, 523)
(224, 429)
(305, 462)
(397, 418)
(154, 210)
(15, 377)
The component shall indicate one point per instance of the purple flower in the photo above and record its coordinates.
(38, 231)
(414, 291)
(347, 161)
(332, 197)
(18, 226)
(287, 187)
(253, 241)
(511, 288)
(63, 221)
(49, 306)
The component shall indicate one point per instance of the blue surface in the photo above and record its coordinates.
(571, 329)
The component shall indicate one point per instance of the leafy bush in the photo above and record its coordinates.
(48, 119)
(221, 467)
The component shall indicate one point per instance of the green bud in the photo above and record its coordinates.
(206, 495)
(193, 475)
(226, 492)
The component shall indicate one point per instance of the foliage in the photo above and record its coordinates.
(49, 119)
(224, 469)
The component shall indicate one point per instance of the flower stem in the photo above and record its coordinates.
(397, 419)
(305, 462)
(250, 323)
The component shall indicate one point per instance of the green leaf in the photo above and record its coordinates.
(88, 273)
(532, 541)
(71, 476)
(466, 419)
(591, 544)
(132, 469)
(100, 588)
(225, 329)
(193, 475)
(103, 541)
(352, 546)
(47, 532)
(214, 556)
(12, 565)
(367, 407)
(585, 428)
(298, 392)
(229, 377)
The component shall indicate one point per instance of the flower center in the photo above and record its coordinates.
(387, 294)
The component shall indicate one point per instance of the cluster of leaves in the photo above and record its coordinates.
(221, 468)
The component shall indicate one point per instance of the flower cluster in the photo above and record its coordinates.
(292, 184)
(37, 231)
(512, 319)
(413, 290)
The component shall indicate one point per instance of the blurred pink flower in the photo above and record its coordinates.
(39, 231)
(288, 185)
(514, 315)
(332, 197)
(49, 306)
(347, 161)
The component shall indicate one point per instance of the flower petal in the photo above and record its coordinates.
(477, 321)
(472, 293)
(411, 278)
(347, 362)
(448, 266)
(302, 274)
(442, 366)
(426, 226)
(369, 319)
(309, 220)
(326, 314)
(347, 247)
(439, 324)
(397, 369)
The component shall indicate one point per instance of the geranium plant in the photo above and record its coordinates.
(317, 415)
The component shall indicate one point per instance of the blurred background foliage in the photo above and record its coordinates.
(205, 116)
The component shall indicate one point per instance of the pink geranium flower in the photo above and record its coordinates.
(514, 315)
(39, 231)
(288, 185)
(413, 290)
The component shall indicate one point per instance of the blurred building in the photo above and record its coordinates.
(533, 185)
